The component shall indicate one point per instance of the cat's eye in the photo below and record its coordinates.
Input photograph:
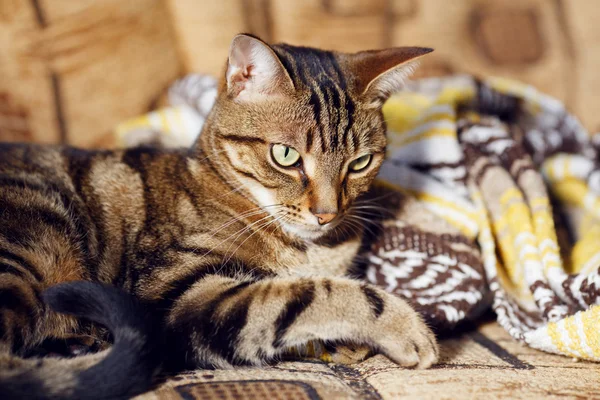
(360, 163)
(284, 155)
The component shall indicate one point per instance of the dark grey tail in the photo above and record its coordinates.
(123, 371)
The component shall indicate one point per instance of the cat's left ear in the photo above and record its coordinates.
(380, 73)
(254, 70)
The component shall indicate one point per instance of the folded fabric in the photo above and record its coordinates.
(500, 187)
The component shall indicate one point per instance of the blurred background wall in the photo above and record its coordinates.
(70, 70)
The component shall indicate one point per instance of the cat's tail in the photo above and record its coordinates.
(124, 370)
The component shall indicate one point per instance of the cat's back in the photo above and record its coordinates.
(27, 157)
(84, 171)
(49, 164)
(131, 184)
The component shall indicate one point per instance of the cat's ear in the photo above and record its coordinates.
(254, 70)
(380, 73)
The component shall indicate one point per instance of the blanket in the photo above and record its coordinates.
(500, 188)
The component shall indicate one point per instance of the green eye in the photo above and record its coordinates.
(284, 155)
(360, 163)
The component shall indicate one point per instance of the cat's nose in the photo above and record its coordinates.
(325, 218)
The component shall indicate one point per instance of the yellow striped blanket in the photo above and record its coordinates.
(503, 208)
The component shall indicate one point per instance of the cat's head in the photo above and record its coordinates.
(300, 130)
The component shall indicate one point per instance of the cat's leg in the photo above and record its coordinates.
(227, 321)
(20, 308)
(25, 320)
(27, 325)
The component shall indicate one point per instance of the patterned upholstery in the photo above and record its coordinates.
(486, 363)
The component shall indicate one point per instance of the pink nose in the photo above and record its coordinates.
(325, 218)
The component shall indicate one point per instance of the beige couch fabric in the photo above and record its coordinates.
(482, 364)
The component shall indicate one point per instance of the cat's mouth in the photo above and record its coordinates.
(309, 232)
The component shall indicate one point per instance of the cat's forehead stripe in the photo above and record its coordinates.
(320, 73)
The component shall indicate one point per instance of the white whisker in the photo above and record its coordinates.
(261, 227)
(239, 232)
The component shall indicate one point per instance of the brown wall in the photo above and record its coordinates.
(70, 70)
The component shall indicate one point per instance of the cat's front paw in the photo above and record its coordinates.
(408, 341)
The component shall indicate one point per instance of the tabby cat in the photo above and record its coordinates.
(239, 246)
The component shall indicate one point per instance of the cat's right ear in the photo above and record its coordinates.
(380, 73)
(254, 71)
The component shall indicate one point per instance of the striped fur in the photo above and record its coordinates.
(217, 241)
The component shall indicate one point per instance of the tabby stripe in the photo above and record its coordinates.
(33, 214)
(20, 183)
(9, 269)
(146, 262)
(136, 158)
(299, 74)
(13, 298)
(374, 299)
(307, 75)
(303, 294)
(311, 66)
(325, 92)
(338, 92)
(334, 117)
(309, 140)
(178, 287)
(9, 256)
(18, 299)
(315, 75)
(338, 72)
(316, 104)
(321, 74)
(196, 250)
(48, 189)
(287, 61)
(119, 279)
(14, 270)
(223, 335)
(318, 95)
(16, 236)
(325, 64)
(350, 109)
(349, 105)
(79, 165)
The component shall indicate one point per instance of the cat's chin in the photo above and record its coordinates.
(304, 233)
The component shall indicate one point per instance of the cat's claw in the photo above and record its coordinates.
(410, 343)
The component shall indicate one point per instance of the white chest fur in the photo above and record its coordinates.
(321, 260)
